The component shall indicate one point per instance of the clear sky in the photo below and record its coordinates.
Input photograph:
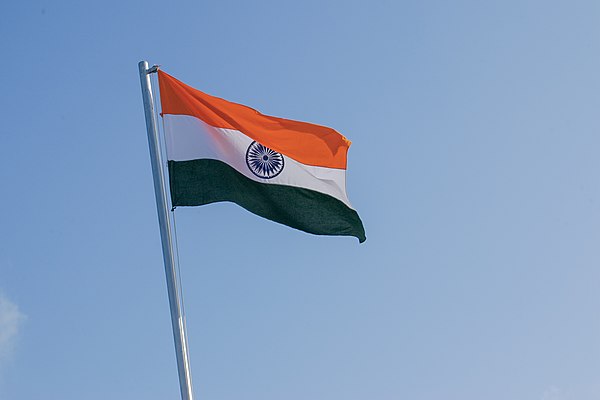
(474, 167)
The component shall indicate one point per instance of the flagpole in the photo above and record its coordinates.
(173, 290)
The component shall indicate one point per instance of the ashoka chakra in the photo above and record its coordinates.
(264, 162)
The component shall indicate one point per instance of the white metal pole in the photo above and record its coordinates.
(160, 190)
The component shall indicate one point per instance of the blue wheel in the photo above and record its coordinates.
(264, 162)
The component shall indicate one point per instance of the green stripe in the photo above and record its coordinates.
(198, 182)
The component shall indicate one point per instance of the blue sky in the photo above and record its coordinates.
(474, 167)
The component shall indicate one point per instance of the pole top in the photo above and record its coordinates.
(143, 66)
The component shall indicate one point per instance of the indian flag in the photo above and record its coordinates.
(287, 171)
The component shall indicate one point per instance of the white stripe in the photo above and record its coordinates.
(189, 138)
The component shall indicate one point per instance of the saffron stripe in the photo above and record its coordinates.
(307, 143)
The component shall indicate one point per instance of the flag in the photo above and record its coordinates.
(286, 171)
